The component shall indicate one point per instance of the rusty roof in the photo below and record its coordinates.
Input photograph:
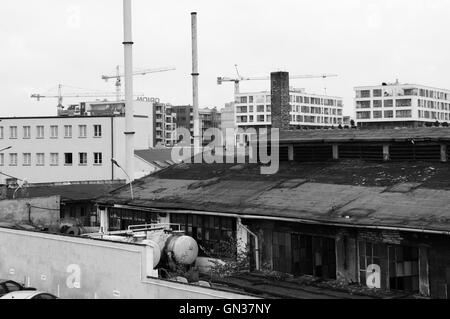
(351, 193)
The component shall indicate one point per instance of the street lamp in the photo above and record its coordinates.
(131, 181)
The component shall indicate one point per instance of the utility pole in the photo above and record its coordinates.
(195, 76)
(129, 107)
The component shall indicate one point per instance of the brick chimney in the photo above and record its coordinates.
(280, 100)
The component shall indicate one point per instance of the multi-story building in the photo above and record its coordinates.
(164, 125)
(402, 105)
(209, 118)
(71, 147)
(306, 110)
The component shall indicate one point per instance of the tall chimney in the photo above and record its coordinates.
(281, 117)
(195, 76)
(129, 107)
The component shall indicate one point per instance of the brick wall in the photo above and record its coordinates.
(280, 100)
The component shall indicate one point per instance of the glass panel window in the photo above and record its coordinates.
(1, 132)
(403, 113)
(26, 159)
(68, 131)
(388, 103)
(388, 114)
(26, 132)
(377, 103)
(40, 159)
(97, 131)
(377, 93)
(54, 159)
(83, 131)
(54, 131)
(377, 114)
(98, 158)
(13, 132)
(68, 159)
(13, 159)
(2, 159)
(83, 158)
(40, 132)
(260, 108)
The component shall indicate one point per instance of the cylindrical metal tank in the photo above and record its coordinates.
(184, 249)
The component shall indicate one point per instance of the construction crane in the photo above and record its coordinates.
(60, 96)
(119, 77)
(240, 78)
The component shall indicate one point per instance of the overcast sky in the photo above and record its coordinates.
(366, 42)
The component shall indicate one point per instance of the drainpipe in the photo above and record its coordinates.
(240, 225)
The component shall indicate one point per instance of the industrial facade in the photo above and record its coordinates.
(401, 105)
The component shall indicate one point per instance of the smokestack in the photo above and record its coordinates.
(195, 76)
(281, 117)
(129, 107)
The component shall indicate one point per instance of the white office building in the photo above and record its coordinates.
(402, 105)
(307, 110)
(71, 147)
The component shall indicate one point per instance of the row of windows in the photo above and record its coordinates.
(365, 115)
(385, 103)
(251, 119)
(251, 109)
(433, 105)
(316, 119)
(54, 159)
(438, 116)
(396, 91)
(292, 99)
(315, 110)
(54, 131)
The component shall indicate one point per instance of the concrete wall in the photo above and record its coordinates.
(79, 268)
(43, 211)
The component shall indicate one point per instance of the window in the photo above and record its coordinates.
(377, 103)
(13, 132)
(68, 159)
(260, 118)
(260, 108)
(83, 131)
(13, 159)
(377, 114)
(26, 132)
(54, 131)
(40, 132)
(54, 159)
(363, 115)
(388, 103)
(243, 99)
(40, 159)
(26, 159)
(97, 131)
(388, 114)
(2, 159)
(83, 158)
(403, 103)
(241, 109)
(269, 108)
(1, 132)
(98, 158)
(250, 99)
(363, 104)
(68, 131)
(403, 113)
(377, 93)
(11, 287)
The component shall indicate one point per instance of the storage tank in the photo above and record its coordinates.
(183, 249)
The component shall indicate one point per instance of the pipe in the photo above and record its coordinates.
(129, 107)
(195, 76)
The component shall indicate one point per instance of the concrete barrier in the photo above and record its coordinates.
(81, 268)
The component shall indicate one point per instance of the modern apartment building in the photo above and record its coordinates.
(71, 147)
(302, 110)
(209, 118)
(164, 125)
(402, 105)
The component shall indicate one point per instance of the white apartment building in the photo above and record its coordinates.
(396, 104)
(307, 110)
(70, 148)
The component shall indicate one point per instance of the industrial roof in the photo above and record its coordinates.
(349, 193)
(69, 193)
(367, 135)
